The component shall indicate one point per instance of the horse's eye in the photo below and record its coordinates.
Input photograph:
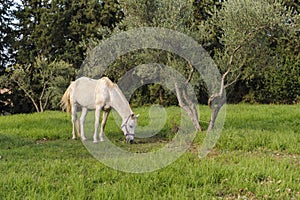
(130, 126)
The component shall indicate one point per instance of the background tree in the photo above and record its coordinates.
(63, 29)
(57, 29)
(6, 36)
(6, 54)
(171, 14)
(45, 87)
(250, 30)
(280, 83)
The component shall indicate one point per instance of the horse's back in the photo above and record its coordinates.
(83, 92)
(88, 92)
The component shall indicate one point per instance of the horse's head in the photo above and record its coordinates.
(128, 127)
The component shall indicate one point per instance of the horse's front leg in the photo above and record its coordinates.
(104, 118)
(97, 119)
(82, 119)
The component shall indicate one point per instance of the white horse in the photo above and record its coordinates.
(102, 94)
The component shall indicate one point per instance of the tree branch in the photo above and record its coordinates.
(232, 82)
(190, 74)
(42, 95)
(47, 100)
(27, 94)
(233, 53)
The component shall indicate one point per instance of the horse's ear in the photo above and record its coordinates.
(133, 116)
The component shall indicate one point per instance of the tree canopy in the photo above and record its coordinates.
(254, 43)
(58, 28)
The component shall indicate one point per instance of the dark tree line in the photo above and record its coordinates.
(41, 34)
(58, 31)
(6, 33)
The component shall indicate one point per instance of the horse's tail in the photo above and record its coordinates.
(65, 100)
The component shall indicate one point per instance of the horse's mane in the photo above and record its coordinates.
(115, 87)
(109, 82)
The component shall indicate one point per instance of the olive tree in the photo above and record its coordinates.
(249, 31)
(174, 15)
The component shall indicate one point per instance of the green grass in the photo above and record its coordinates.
(256, 157)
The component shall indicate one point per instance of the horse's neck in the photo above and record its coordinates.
(120, 103)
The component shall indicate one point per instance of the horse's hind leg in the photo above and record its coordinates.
(82, 119)
(104, 118)
(74, 122)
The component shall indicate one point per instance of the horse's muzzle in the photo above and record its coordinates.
(130, 138)
(131, 141)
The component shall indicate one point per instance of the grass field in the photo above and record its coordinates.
(256, 157)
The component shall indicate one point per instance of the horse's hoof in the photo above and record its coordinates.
(83, 139)
(95, 141)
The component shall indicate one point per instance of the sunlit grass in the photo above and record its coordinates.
(256, 157)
